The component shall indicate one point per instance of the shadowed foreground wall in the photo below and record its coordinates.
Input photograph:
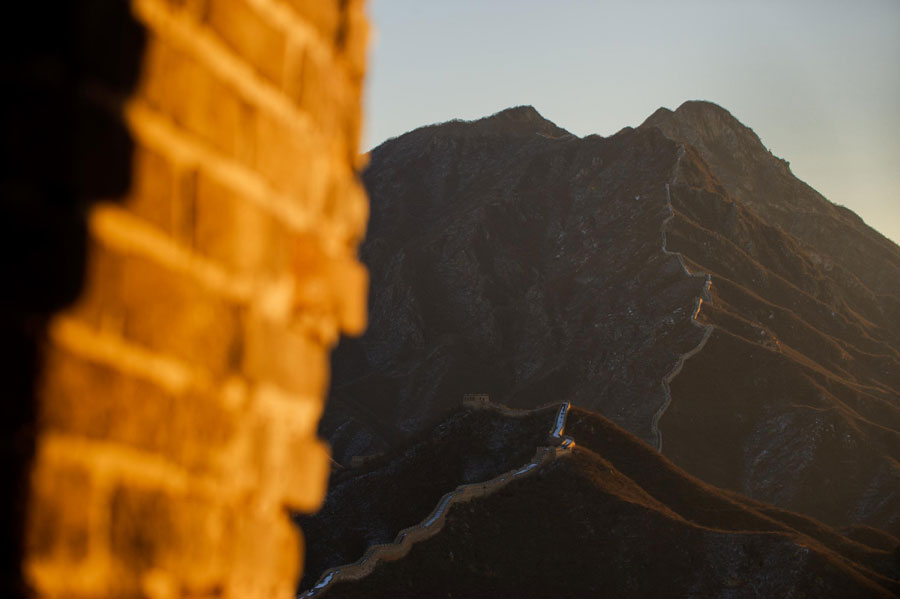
(179, 395)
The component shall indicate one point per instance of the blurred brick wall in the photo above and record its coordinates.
(179, 397)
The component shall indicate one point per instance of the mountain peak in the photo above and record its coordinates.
(521, 119)
(524, 112)
(517, 121)
(703, 108)
(734, 150)
(700, 122)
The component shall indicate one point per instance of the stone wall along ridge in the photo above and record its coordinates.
(431, 525)
(707, 329)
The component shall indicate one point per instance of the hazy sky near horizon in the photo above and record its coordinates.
(817, 80)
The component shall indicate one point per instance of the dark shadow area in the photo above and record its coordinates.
(66, 67)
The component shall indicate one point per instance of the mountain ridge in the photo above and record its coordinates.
(516, 263)
(637, 498)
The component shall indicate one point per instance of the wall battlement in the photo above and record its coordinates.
(179, 396)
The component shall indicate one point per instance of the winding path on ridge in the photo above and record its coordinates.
(707, 329)
(431, 525)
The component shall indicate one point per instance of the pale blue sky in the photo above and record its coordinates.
(818, 80)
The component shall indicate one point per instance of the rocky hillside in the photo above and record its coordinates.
(611, 517)
(798, 387)
(512, 258)
(371, 503)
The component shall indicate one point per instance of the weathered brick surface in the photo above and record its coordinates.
(285, 356)
(60, 530)
(300, 493)
(160, 309)
(162, 193)
(153, 193)
(263, 44)
(152, 533)
(197, 100)
(302, 179)
(355, 38)
(180, 394)
(323, 15)
(265, 556)
(135, 412)
(237, 232)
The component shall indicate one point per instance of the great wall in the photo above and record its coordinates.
(431, 525)
(707, 329)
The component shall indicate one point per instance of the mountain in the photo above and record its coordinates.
(798, 386)
(371, 503)
(674, 277)
(609, 516)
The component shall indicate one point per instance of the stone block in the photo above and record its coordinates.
(317, 98)
(153, 192)
(59, 528)
(304, 482)
(168, 312)
(284, 428)
(190, 95)
(356, 38)
(99, 402)
(293, 70)
(174, 314)
(233, 230)
(330, 285)
(265, 551)
(347, 207)
(323, 15)
(166, 541)
(251, 37)
(276, 353)
(288, 162)
(97, 305)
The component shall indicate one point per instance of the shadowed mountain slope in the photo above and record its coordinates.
(851, 252)
(509, 257)
(369, 504)
(509, 261)
(613, 516)
(797, 388)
